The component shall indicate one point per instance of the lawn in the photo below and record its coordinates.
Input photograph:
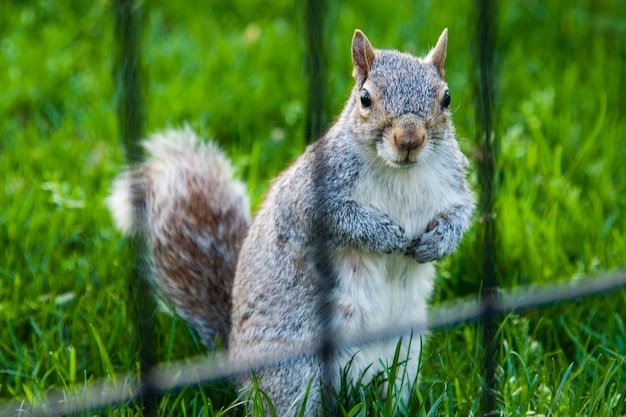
(234, 71)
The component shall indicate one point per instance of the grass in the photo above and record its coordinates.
(234, 72)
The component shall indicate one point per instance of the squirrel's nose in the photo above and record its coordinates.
(408, 139)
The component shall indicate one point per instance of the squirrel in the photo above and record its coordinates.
(377, 198)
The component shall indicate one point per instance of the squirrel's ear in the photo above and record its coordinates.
(363, 55)
(437, 55)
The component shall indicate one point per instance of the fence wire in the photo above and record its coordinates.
(487, 140)
(130, 115)
(174, 376)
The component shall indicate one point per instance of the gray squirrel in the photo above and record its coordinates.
(383, 194)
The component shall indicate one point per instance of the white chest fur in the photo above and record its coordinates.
(377, 292)
(411, 197)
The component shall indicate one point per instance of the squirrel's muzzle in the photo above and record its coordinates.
(407, 137)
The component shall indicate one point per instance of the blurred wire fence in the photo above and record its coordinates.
(485, 84)
(157, 379)
(174, 376)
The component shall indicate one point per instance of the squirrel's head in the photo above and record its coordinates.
(401, 102)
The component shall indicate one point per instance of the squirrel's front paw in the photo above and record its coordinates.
(439, 240)
(422, 251)
(393, 238)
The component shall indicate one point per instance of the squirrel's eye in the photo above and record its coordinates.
(445, 102)
(366, 100)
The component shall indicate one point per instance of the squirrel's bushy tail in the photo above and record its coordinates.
(184, 201)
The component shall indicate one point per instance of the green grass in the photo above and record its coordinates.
(234, 72)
